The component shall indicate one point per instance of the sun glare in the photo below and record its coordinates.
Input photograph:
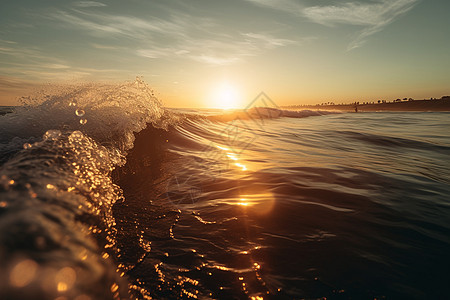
(226, 96)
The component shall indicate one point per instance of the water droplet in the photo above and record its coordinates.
(83, 121)
(27, 146)
(76, 136)
(65, 279)
(52, 134)
(79, 112)
(114, 287)
(62, 287)
(23, 273)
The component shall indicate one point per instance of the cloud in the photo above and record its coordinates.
(83, 23)
(156, 52)
(11, 88)
(7, 42)
(201, 40)
(219, 49)
(24, 54)
(101, 24)
(36, 64)
(216, 60)
(374, 16)
(284, 5)
(12, 83)
(89, 4)
(267, 41)
(207, 54)
(105, 47)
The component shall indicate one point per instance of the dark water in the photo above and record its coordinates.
(6, 110)
(342, 206)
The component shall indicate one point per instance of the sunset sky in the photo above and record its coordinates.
(196, 53)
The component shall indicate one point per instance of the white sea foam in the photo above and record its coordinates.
(58, 151)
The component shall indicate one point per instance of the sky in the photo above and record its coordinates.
(211, 53)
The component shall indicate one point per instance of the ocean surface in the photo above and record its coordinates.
(106, 194)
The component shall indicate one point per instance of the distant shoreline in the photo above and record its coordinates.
(415, 105)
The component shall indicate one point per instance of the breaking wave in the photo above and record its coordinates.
(59, 153)
(106, 194)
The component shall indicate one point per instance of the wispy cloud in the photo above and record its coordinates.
(13, 50)
(201, 41)
(7, 42)
(88, 4)
(216, 60)
(156, 52)
(374, 15)
(106, 47)
(284, 5)
(11, 88)
(83, 23)
(112, 24)
(100, 24)
(267, 41)
(36, 64)
(218, 50)
(11, 83)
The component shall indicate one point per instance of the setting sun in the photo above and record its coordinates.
(226, 96)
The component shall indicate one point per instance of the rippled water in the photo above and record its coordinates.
(344, 205)
(235, 206)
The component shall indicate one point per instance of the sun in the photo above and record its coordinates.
(226, 96)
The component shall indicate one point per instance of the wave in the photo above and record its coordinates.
(76, 163)
(393, 142)
(261, 113)
(58, 151)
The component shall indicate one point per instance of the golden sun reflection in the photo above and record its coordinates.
(243, 202)
(243, 167)
(222, 148)
(259, 203)
(234, 157)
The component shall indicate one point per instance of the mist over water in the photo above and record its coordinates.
(106, 193)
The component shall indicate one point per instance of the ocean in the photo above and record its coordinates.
(107, 194)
